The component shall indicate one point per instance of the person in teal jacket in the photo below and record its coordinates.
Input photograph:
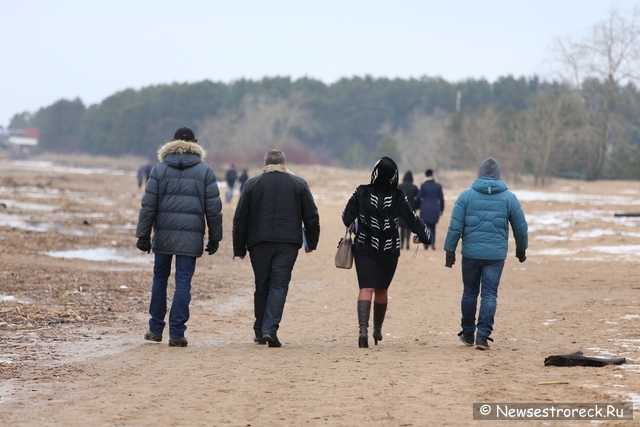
(481, 218)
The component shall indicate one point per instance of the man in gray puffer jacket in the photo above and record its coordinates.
(180, 197)
(268, 222)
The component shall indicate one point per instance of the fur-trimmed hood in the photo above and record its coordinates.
(180, 147)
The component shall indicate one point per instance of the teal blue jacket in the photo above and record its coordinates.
(481, 218)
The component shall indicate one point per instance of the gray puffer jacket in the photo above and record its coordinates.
(180, 196)
(273, 207)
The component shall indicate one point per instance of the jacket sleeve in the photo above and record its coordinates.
(415, 224)
(350, 212)
(518, 224)
(310, 218)
(441, 199)
(213, 207)
(149, 207)
(456, 224)
(240, 221)
(419, 197)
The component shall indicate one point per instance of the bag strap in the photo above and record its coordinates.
(348, 230)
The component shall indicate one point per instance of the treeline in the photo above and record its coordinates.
(530, 126)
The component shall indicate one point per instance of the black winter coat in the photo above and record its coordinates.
(378, 211)
(180, 196)
(273, 207)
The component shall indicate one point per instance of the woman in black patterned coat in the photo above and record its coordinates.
(375, 209)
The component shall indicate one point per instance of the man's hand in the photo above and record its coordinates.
(521, 255)
(144, 244)
(450, 260)
(212, 247)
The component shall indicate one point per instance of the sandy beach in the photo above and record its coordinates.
(74, 294)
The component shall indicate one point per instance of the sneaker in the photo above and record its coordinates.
(272, 340)
(259, 340)
(466, 338)
(178, 342)
(150, 336)
(481, 342)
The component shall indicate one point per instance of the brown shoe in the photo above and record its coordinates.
(178, 342)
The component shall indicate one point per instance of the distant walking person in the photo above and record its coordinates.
(268, 222)
(181, 200)
(375, 209)
(481, 218)
(410, 190)
(431, 201)
(243, 179)
(143, 174)
(230, 177)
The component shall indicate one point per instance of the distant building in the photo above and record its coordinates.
(22, 142)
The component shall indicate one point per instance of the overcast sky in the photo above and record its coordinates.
(65, 49)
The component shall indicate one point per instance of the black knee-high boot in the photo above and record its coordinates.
(379, 310)
(364, 310)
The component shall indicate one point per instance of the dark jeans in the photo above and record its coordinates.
(179, 314)
(272, 265)
(480, 277)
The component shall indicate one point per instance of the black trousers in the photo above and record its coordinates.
(272, 264)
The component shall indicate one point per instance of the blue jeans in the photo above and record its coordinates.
(272, 265)
(229, 194)
(179, 314)
(480, 276)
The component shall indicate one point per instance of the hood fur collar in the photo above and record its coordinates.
(275, 168)
(180, 147)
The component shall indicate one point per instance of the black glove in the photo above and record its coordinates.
(144, 244)
(451, 259)
(212, 247)
(521, 255)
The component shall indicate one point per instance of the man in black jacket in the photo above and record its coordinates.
(268, 222)
(181, 195)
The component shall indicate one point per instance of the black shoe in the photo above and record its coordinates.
(150, 336)
(259, 340)
(178, 342)
(466, 338)
(377, 335)
(363, 340)
(481, 342)
(272, 340)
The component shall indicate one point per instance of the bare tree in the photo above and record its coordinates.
(610, 53)
(422, 143)
(545, 134)
(261, 123)
(482, 136)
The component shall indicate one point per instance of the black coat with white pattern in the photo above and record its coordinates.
(378, 211)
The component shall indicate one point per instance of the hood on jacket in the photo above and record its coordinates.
(180, 147)
(489, 169)
(488, 180)
(408, 177)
